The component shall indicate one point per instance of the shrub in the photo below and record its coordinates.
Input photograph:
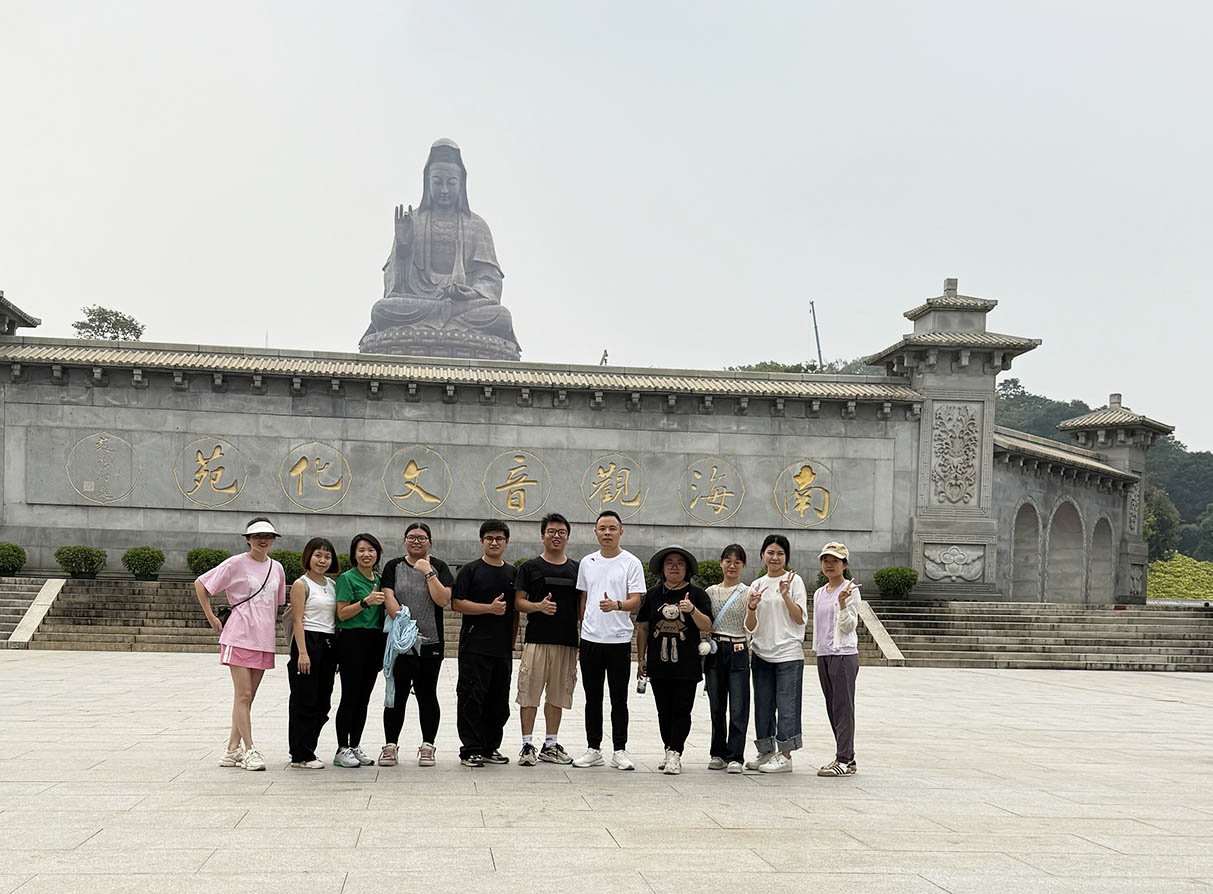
(650, 579)
(1180, 577)
(518, 563)
(80, 561)
(709, 573)
(12, 559)
(343, 563)
(895, 581)
(143, 561)
(203, 559)
(292, 563)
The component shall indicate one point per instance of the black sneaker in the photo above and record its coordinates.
(495, 758)
(527, 757)
(554, 754)
(472, 760)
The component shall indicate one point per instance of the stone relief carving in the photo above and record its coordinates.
(953, 563)
(954, 460)
(1136, 574)
(1135, 509)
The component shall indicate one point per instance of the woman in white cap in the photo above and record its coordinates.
(836, 642)
(776, 612)
(668, 624)
(255, 586)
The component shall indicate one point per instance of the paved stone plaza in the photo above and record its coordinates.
(970, 781)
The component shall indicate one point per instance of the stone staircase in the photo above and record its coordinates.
(16, 594)
(1049, 635)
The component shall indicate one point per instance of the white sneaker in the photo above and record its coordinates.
(591, 758)
(665, 759)
(621, 761)
(673, 764)
(232, 758)
(717, 763)
(363, 757)
(756, 763)
(252, 760)
(735, 767)
(308, 765)
(777, 764)
(345, 757)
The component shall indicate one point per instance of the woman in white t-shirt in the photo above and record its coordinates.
(255, 586)
(313, 661)
(775, 617)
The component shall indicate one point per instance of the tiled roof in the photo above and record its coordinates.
(1008, 440)
(951, 302)
(247, 361)
(17, 313)
(976, 340)
(1114, 417)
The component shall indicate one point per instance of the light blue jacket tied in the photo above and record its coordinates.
(402, 639)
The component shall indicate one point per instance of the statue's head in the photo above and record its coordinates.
(445, 184)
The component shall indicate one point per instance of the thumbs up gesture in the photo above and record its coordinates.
(548, 605)
(497, 606)
(607, 604)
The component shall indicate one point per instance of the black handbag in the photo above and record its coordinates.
(224, 612)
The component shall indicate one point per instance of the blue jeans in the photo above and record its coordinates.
(727, 680)
(777, 697)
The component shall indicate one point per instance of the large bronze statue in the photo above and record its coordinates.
(441, 282)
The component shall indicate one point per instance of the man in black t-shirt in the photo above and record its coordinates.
(546, 592)
(486, 648)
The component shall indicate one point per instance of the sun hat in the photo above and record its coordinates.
(835, 549)
(657, 563)
(259, 526)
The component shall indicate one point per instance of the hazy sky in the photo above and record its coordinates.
(671, 181)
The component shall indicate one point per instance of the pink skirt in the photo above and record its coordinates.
(234, 656)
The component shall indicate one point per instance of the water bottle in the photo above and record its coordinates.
(642, 684)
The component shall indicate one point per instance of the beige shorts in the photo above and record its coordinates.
(550, 667)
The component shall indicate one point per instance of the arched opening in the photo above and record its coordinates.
(1103, 564)
(1064, 567)
(1025, 556)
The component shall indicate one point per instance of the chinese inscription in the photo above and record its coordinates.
(711, 490)
(517, 484)
(210, 472)
(806, 493)
(614, 481)
(102, 467)
(315, 476)
(417, 480)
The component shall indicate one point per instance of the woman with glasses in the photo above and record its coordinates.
(423, 584)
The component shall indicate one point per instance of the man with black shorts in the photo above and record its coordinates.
(546, 592)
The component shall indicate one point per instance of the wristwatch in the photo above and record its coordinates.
(362, 602)
(431, 574)
(619, 605)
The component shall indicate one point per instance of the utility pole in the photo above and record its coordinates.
(813, 313)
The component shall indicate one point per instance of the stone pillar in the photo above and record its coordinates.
(953, 361)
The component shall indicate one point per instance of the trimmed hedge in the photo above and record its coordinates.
(895, 580)
(709, 573)
(1180, 577)
(203, 559)
(292, 563)
(143, 561)
(81, 561)
(12, 559)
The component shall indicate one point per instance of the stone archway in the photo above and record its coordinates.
(1102, 587)
(1025, 555)
(1064, 566)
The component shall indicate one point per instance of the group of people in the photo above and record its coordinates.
(371, 619)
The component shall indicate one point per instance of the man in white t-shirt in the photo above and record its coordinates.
(611, 582)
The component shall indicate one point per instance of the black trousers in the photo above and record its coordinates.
(420, 673)
(359, 660)
(311, 693)
(674, 699)
(482, 703)
(610, 663)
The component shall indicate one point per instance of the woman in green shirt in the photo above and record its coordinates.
(360, 643)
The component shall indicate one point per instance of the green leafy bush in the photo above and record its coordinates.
(343, 563)
(895, 581)
(650, 579)
(203, 559)
(709, 573)
(518, 563)
(1180, 577)
(143, 561)
(292, 563)
(12, 559)
(80, 561)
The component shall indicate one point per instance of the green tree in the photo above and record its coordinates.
(1035, 414)
(855, 367)
(1185, 475)
(106, 323)
(1161, 526)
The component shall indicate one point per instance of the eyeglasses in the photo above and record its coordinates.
(555, 532)
(420, 538)
(495, 539)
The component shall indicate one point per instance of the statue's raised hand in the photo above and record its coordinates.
(404, 224)
(458, 291)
